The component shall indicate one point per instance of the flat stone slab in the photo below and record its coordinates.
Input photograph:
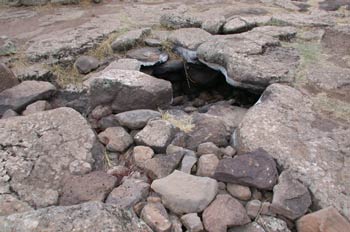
(36, 151)
(95, 216)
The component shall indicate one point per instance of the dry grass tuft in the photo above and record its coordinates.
(66, 75)
(184, 124)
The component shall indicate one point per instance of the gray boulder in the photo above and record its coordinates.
(116, 139)
(86, 64)
(37, 150)
(136, 119)
(178, 20)
(95, 216)
(128, 90)
(129, 39)
(19, 96)
(7, 78)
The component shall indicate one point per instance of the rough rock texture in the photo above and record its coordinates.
(36, 151)
(116, 139)
(177, 20)
(225, 211)
(148, 56)
(128, 90)
(273, 224)
(136, 119)
(207, 165)
(192, 222)
(239, 191)
(86, 64)
(156, 216)
(7, 78)
(253, 59)
(157, 135)
(125, 64)
(256, 169)
(9, 113)
(241, 24)
(184, 193)
(251, 227)
(129, 39)
(19, 96)
(313, 147)
(94, 216)
(129, 193)
(141, 154)
(90, 187)
(325, 220)
(9, 204)
(37, 106)
(291, 198)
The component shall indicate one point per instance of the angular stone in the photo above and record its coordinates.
(86, 64)
(176, 223)
(291, 198)
(116, 139)
(125, 64)
(93, 215)
(177, 20)
(141, 154)
(9, 113)
(189, 38)
(253, 208)
(157, 134)
(184, 193)
(294, 137)
(192, 222)
(128, 90)
(94, 186)
(224, 212)
(9, 204)
(213, 25)
(208, 148)
(136, 119)
(256, 169)
(37, 106)
(108, 121)
(324, 220)
(7, 78)
(79, 167)
(128, 194)
(101, 111)
(162, 165)
(129, 39)
(207, 165)
(19, 96)
(239, 191)
(187, 163)
(273, 224)
(148, 56)
(156, 217)
(251, 227)
(242, 24)
(37, 150)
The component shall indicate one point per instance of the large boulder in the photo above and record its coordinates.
(37, 150)
(184, 193)
(253, 59)
(94, 216)
(128, 90)
(19, 96)
(7, 78)
(313, 145)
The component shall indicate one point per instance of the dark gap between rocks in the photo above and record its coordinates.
(198, 85)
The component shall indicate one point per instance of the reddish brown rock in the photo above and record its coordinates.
(7, 78)
(325, 220)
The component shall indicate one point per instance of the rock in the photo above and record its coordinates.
(251, 227)
(94, 186)
(253, 208)
(34, 2)
(116, 139)
(325, 220)
(141, 154)
(125, 64)
(187, 163)
(108, 121)
(35, 72)
(19, 96)
(228, 151)
(36, 151)
(184, 193)
(301, 126)
(9, 204)
(208, 148)
(250, 60)
(162, 165)
(7, 78)
(157, 134)
(242, 24)
(256, 169)
(177, 20)
(192, 222)
(172, 70)
(239, 191)
(291, 198)
(7, 47)
(148, 56)
(213, 25)
(79, 167)
(128, 90)
(224, 212)
(207, 165)
(129, 39)
(153, 42)
(128, 194)
(37, 106)
(136, 119)
(93, 215)
(9, 113)
(86, 64)
(101, 111)
(273, 224)
(176, 223)
(156, 217)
